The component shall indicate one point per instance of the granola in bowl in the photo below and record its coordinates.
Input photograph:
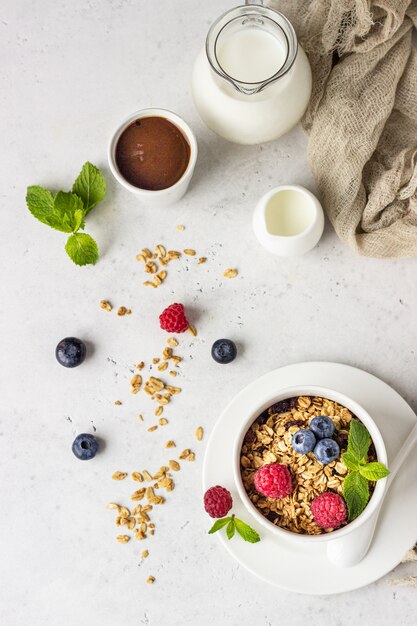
(269, 440)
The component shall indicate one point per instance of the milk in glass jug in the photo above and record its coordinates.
(252, 81)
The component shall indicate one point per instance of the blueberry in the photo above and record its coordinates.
(326, 451)
(223, 351)
(85, 447)
(322, 426)
(303, 441)
(70, 352)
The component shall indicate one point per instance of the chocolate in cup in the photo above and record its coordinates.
(152, 153)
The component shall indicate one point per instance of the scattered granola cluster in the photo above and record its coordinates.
(161, 257)
(269, 440)
(158, 390)
(154, 264)
(138, 519)
(121, 311)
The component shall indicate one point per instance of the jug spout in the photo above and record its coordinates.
(247, 88)
(251, 47)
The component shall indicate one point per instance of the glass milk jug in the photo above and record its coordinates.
(252, 82)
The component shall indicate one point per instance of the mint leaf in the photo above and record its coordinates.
(350, 461)
(65, 212)
(355, 493)
(374, 471)
(40, 203)
(359, 440)
(79, 220)
(82, 249)
(219, 524)
(230, 530)
(68, 211)
(90, 186)
(246, 532)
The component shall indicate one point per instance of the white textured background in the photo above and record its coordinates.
(70, 71)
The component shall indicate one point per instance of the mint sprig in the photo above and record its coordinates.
(356, 483)
(233, 524)
(66, 211)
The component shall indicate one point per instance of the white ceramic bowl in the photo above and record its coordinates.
(364, 417)
(162, 197)
(288, 220)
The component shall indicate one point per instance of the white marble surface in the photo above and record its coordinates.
(70, 71)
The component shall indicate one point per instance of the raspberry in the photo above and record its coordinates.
(217, 501)
(329, 510)
(273, 480)
(173, 319)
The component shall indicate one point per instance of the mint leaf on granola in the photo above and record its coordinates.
(355, 486)
(374, 471)
(356, 493)
(359, 441)
(246, 532)
(90, 186)
(350, 461)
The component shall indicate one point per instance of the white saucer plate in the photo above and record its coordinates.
(306, 569)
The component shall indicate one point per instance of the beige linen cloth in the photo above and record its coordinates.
(362, 118)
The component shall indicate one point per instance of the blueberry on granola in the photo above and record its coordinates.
(326, 451)
(303, 441)
(322, 426)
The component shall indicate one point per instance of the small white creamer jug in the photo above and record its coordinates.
(252, 81)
